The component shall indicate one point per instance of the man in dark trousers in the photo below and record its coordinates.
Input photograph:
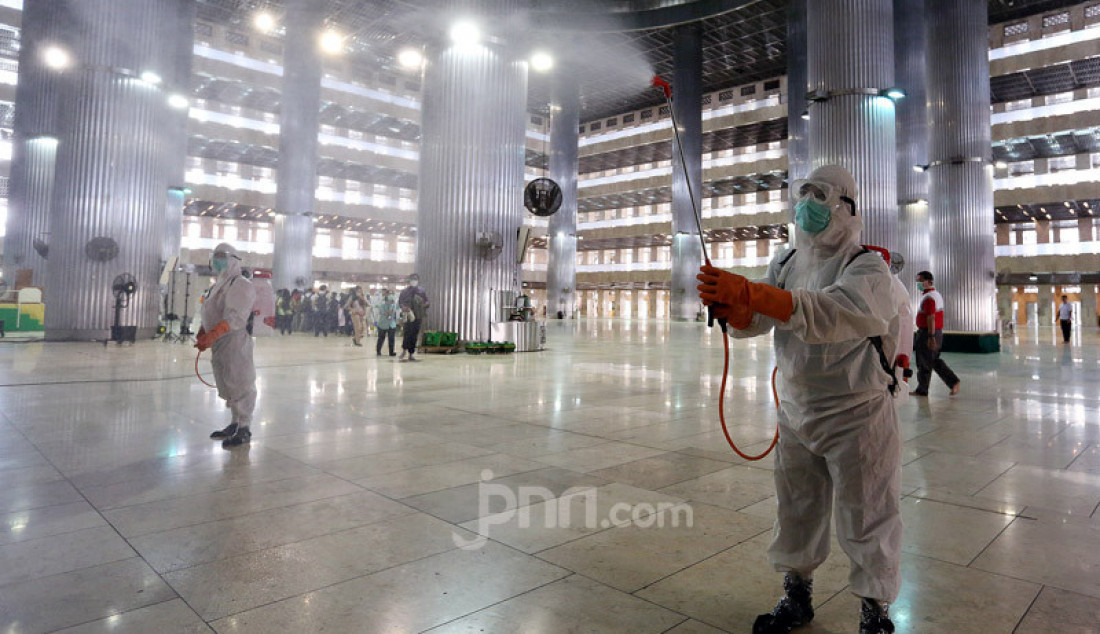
(415, 300)
(929, 339)
(1065, 318)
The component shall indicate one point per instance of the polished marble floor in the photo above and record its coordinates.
(613, 504)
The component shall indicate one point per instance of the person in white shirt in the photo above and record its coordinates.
(1065, 318)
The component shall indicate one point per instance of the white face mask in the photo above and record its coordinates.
(414, 283)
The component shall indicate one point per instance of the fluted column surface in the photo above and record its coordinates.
(687, 99)
(471, 181)
(561, 270)
(299, 117)
(798, 145)
(910, 54)
(110, 177)
(178, 81)
(961, 192)
(851, 48)
(32, 168)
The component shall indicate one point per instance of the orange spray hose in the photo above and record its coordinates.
(722, 406)
(197, 371)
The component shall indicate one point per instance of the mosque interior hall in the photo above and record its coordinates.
(688, 316)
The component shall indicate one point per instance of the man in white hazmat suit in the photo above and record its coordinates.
(831, 304)
(226, 309)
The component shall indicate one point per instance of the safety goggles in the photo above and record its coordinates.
(824, 193)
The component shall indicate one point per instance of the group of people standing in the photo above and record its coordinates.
(354, 313)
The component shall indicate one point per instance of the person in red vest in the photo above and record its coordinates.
(929, 339)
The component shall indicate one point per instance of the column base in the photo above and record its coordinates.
(974, 342)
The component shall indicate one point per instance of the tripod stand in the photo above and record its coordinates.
(170, 315)
(185, 324)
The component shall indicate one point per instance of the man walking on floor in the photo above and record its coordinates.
(929, 339)
(413, 300)
(1065, 318)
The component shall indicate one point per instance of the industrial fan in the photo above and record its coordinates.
(123, 287)
(542, 197)
(489, 245)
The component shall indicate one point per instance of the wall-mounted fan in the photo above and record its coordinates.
(542, 197)
(489, 245)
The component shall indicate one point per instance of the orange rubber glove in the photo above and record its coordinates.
(722, 287)
(206, 339)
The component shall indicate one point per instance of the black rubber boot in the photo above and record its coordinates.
(874, 618)
(242, 436)
(793, 610)
(222, 434)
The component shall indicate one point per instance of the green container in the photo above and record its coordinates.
(448, 339)
(476, 348)
(508, 347)
(431, 339)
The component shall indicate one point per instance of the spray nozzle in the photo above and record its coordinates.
(663, 85)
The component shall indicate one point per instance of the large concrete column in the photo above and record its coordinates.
(178, 81)
(299, 115)
(561, 270)
(471, 180)
(910, 50)
(851, 59)
(110, 179)
(34, 144)
(798, 143)
(687, 99)
(960, 173)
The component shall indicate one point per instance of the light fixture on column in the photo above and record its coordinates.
(332, 43)
(264, 21)
(805, 115)
(410, 58)
(151, 78)
(542, 62)
(179, 102)
(1000, 164)
(893, 94)
(56, 57)
(465, 33)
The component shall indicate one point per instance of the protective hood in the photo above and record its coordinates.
(844, 228)
(234, 259)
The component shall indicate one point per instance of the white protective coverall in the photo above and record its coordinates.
(904, 330)
(838, 426)
(230, 299)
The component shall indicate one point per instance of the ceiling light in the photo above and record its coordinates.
(332, 42)
(410, 58)
(465, 33)
(56, 57)
(179, 102)
(542, 62)
(264, 21)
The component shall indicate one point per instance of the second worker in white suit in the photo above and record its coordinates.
(831, 304)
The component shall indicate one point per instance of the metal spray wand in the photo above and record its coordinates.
(666, 88)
